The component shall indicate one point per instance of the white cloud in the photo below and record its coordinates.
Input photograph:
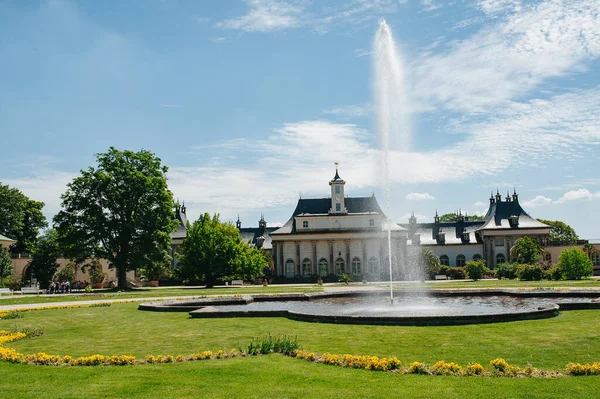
(430, 5)
(493, 7)
(419, 196)
(267, 16)
(274, 224)
(578, 195)
(539, 200)
(510, 58)
(218, 40)
(480, 204)
(350, 110)
(361, 52)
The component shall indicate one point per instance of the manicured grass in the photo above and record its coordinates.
(272, 376)
(159, 293)
(544, 284)
(122, 329)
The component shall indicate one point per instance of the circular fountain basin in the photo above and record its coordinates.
(447, 308)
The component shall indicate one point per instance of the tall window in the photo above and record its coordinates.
(290, 268)
(460, 260)
(499, 241)
(305, 223)
(306, 267)
(337, 189)
(445, 260)
(500, 258)
(596, 259)
(548, 257)
(323, 267)
(476, 257)
(374, 266)
(338, 207)
(356, 266)
(339, 266)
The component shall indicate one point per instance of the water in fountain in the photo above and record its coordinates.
(392, 125)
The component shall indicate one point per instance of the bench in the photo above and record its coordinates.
(5, 291)
(237, 282)
(441, 277)
(30, 290)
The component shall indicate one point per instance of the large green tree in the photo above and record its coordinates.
(574, 264)
(120, 210)
(214, 250)
(21, 218)
(43, 264)
(561, 232)
(526, 250)
(451, 217)
(6, 266)
(430, 262)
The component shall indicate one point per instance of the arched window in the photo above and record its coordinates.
(356, 266)
(290, 268)
(445, 260)
(500, 258)
(596, 259)
(460, 260)
(476, 257)
(548, 257)
(339, 266)
(306, 267)
(374, 266)
(323, 267)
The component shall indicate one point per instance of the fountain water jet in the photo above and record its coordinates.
(391, 114)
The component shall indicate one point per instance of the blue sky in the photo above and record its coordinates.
(251, 102)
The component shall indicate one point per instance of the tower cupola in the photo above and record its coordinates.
(337, 193)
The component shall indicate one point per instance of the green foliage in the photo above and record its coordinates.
(475, 269)
(280, 344)
(506, 270)
(94, 269)
(574, 264)
(155, 270)
(88, 289)
(561, 233)
(529, 272)
(430, 262)
(43, 264)
(121, 211)
(451, 217)
(20, 218)
(554, 273)
(345, 278)
(214, 250)
(526, 250)
(67, 273)
(6, 266)
(455, 273)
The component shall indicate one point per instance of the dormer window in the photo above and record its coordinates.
(372, 222)
(514, 221)
(305, 224)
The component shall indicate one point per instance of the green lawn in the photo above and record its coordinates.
(158, 293)
(122, 329)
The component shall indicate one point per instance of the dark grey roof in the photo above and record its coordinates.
(181, 217)
(337, 176)
(251, 234)
(499, 212)
(452, 231)
(321, 206)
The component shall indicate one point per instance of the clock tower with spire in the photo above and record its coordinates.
(337, 194)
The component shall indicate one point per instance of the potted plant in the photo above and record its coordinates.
(96, 274)
(154, 270)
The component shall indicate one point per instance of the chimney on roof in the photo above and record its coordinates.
(183, 208)
(238, 223)
(498, 196)
(515, 196)
(491, 197)
(436, 218)
(507, 196)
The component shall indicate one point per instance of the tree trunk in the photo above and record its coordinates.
(210, 281)
(122, 277)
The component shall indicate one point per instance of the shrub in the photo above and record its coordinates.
(456, 273)
(554, 273)
(574, 264)
(345, 278)
(444, 270)
(530, 272)
(506, 270)
(475, 269)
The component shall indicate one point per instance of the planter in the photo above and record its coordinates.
(153, 283)
(265, 282)
(98, 285)
(320, 281)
